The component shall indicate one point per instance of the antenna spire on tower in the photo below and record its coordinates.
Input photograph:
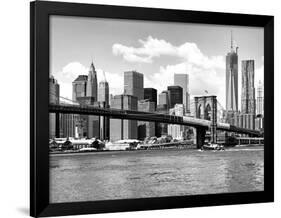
(104, 76)
(231, 42)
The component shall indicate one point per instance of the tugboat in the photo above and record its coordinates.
(213, 146)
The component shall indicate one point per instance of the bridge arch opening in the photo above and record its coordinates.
(208, 112)
(199, 111)
(206, 108)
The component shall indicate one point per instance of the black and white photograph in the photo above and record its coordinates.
(142, 109)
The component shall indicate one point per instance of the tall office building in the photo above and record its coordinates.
(79, 94)
(146, 129)
(54, 93)
(85, 92)
(151, 95)
(67, 125)
(175, 95)
(182, 80)
(133, 84)
(164, 98)
(248, 100)
(103, 99)
(87, 125)
(92, 85)
(248, 105)
(162, 108)
(103, 92)
(79, 87)
(177, 131)
(119, 128)
(260, 99)
(232, 78)
(54, 90)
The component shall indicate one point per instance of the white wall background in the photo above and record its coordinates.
(14, 122)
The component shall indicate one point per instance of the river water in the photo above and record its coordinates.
(154, 173)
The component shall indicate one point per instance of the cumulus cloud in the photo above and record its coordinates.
(205, 73)
(200, 79)
(152, 48)
(72, 70)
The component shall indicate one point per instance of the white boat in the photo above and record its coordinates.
(213, 146)
(87, 149)
(125, 144)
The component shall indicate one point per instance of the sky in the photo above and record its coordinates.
(156, 49)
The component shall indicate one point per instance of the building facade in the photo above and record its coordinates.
(103, 92)
(182, 80)
(146, 129)
(103, 99)
(175, 95)
(119, 128)
(248, 105)
(232, 79)
(85, 92)
(177, 131)
(87, 125)
(54, 93)
(164, 98)
(248, 100)
(133, 84)
(79, 87)
(151, 95)
(67, 125)
(92, 84)
(260, 99)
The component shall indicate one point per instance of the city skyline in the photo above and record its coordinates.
(158, 55)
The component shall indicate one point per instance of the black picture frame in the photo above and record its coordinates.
(39, 119)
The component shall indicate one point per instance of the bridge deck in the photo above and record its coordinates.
(145, 116)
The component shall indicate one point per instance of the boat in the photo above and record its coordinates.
(213, 146)
(124, 144)
(87, 149)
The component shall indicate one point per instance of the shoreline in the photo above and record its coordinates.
(190, 147)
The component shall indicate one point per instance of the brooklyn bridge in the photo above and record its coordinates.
(205, 117)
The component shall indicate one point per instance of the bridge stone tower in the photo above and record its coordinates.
(206, 108)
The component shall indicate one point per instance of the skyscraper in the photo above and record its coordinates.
(232, 78)
(119, 128)
(162, 108)
(146, 129)
(248, 105)
(54, 90)
(182, 80)
(175, 95)
(133, 84)
(103, 98)
(177, 131)
(54, 93)
(151, 95)
(79, 87)
(92, 86)
(248, 101)
(260, 98)
(85, 92)
(67, 125)
(103, 92)
(164, 98)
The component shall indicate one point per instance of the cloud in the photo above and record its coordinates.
(72, 70)
(205, 73)
(152, 48)
(200, 79)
